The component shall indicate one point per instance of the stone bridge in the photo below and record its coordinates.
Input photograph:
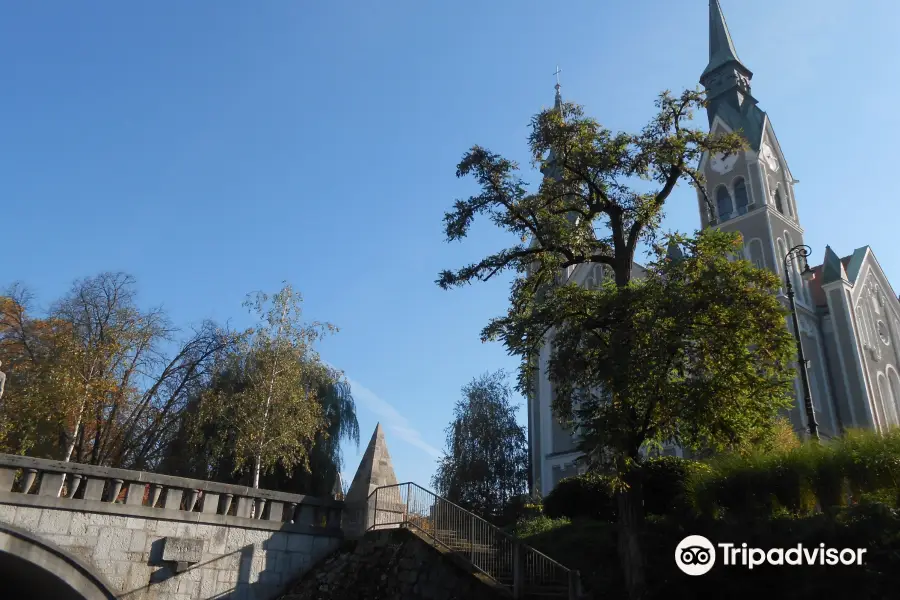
(73, 531)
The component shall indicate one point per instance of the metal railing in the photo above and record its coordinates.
(498, 555)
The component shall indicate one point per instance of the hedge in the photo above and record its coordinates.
(665, 490)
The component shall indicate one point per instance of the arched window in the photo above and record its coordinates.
(756, 253)
(887, 400)
(741, 199)
(723, 203)
(894, 381)
(778, 203)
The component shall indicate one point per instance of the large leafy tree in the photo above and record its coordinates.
(203, 449)
(92, 381)
(267, 412)
(602, 198)
(485, 463)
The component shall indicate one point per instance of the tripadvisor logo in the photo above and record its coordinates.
(696, 555)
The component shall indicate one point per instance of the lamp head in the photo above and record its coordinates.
(807, 274)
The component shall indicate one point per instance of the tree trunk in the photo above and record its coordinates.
(630, 525)
(74, 438)
(257, 467)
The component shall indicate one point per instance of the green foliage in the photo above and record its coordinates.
(485, 463)
(665, 481)
(264, 408)
(590, 547)
(802, 480)
(589, 495)
(539, 524)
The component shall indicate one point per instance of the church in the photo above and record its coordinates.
(848, 313)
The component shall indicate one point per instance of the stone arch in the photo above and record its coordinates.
(33, 568)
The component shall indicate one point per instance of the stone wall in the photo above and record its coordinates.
(234, 562)
(392, 565)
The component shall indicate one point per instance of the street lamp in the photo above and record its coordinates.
(803, 252)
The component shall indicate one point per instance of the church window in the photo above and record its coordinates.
(862, 324)
(723, 202)
(740, 196)
(887, 400)
(756, 253)
(894, 381)
(778, 203)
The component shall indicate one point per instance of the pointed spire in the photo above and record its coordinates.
(674, 252)
(557, 104)
(337, 491)
(721, 47)
(832, 267)
(375, 469)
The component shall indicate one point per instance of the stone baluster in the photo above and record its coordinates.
(74, 480)
(259, 505)
(292, 511)
(115, 487)
(225, 503)
(191, 500)
(155, 493)
(28, 477)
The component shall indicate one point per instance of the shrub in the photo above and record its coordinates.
(861, 466)
(665, 484)
(588, 495)
(537, 525)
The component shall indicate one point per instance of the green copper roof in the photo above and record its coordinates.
(832, 268)
(721, 48)
(856, 263)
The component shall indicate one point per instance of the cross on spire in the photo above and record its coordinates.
(557, 72)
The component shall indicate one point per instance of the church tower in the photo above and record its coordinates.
(752, 192)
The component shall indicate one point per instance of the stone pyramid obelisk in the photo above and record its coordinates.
(375, 469)
(365, 510)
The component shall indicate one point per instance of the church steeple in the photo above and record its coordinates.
(727, 82)
(721, 48)
(550, 168)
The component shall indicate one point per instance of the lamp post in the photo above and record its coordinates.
(803, 252)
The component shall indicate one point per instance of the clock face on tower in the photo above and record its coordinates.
(721, 164)
(768, 155)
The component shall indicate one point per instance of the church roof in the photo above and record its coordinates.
(832, 269)
(721, 47)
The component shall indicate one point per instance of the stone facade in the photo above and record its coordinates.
(392, 565)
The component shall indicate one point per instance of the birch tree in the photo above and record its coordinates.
(263, 408)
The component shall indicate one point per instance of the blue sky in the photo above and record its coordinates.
(212, 148)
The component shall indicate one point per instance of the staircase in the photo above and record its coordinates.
(506, 560)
